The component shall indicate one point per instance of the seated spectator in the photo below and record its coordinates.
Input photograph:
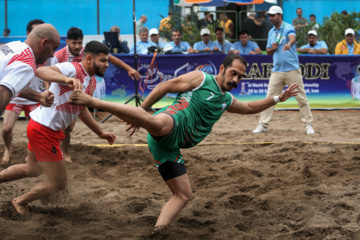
(299, 21)
(177, 44)
(314, 46)
(245, 46)
(154, 37)
(205, 44)
(348, 46)
(229, 25)
(123, 44)
(314, 25)
(6, 32)
(220, 41)
(142, 45)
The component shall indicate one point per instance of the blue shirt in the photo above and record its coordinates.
(283, 61)
(228, 46)
(183, 46)
(162, 45)
(350, 48)
(201, 45)
(250, 46)
(142, 47)
(318, 45)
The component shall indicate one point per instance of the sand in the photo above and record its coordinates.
(282, 184)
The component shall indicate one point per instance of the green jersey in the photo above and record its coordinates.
(196, 111)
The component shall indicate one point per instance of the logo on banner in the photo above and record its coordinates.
(208, 67)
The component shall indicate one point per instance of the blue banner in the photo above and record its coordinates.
(331, 82)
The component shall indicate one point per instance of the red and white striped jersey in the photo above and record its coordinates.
(17, 66)
(60, 115)
(63, 55)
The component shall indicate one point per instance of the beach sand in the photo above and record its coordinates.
(283, 184)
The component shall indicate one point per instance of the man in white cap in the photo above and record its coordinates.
(154, 37)
(281, 45)
(205, 44)
(314, 46)
(142, 45)
(348, 46)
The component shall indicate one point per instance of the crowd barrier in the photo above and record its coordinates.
(331, 82)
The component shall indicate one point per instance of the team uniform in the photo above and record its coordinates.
(63, 55)
(46, 124)
(194, 114)
(17, 66)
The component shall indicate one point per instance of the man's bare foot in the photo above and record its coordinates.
(7, 157)
(158, 230)
(67, 158)
(21, 209)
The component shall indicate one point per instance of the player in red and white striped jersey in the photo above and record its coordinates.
(46, 124)
(73, 52)
(18, 104)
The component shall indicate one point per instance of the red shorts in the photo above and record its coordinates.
(18, 108)
(44, 142)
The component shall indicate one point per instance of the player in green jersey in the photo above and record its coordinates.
(200, 103)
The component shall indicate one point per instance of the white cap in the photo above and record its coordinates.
(250, 13)
(204, 31)
(312, 32)
(153, 31)
(274, 10)
(349, 31)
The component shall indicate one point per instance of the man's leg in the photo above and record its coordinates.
(181, 189)
(10, 118)
(276, 85)
(65, 144)
(56, 181)
(29, 169)
(304, 107)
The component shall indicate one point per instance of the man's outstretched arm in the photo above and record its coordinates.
(261, 105)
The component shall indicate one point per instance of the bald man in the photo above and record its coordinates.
(18, 65)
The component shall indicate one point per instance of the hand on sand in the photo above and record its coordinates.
(78, 97)
(110, 137)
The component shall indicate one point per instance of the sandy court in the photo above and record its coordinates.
(282, 184)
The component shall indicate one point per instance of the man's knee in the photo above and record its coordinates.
(185, 195)
(7, 129)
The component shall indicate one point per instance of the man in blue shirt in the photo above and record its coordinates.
(178, 45)
(219, 32)
(314, 46)
(143, 44)
(286, 70)
(245, 46)
(154, 37)
(205, 44)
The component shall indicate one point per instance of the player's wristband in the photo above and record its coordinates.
(141, 107)
(276, 99)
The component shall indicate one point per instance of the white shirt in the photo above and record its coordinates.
(60, 115)
(17, 66)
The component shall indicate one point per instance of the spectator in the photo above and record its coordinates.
(165, 25)
(344, 13)
(248, 25)
(219, 32)
(348, 46)
(188, 25)
(265, 26)
(143, 44)
(205, 44)
(299, 21)
(245, 46)
(314, 46)
(154, 37)
(6, 32)
(229, 25)
(123, 44)
(314, 25)
(140, 23)
(33, 23)
(285, 71)
(207, 20)
(177, 44)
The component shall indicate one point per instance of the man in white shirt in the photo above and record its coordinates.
(18, 104)
(18, 64)
(46, 124)
(74, 52)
